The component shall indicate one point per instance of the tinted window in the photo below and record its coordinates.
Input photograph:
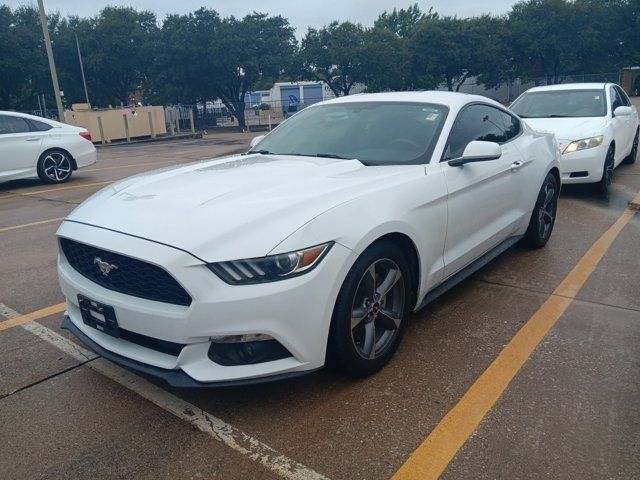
(10, 124)
(623, 96)
(37, 126)
(511, 125)
(376, 133)
(616, 100)
(480, 122)
(561, 103)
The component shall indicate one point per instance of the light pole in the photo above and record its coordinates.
(52, 63)
(84, 82)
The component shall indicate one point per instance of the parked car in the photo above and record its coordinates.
(33, 146)
(310, 249)
(595, 123)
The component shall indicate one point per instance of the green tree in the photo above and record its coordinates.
(404, 21)
(336, 55)
(255, 48)
(444, 51)
(387, 61)
(201, 56)
(23, 61)
(545, 43)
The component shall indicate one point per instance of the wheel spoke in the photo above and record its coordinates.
(389, 319)
(369, 347)
(393, 275)
(357, 316)
(549, 195)
(372, 273)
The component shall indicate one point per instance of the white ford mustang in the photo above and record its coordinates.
(310, 249)
(595, 123)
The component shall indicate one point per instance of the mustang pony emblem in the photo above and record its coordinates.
(105, 267)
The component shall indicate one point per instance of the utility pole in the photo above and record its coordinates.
(84, 82)
(52, 63)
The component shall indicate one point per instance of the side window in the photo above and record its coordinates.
(10, 124)
(511, 124)
(478, 122)
(616, 101)
(37, 126)
(623, 96)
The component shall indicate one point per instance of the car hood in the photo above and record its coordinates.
(567, 130)
(236, 207)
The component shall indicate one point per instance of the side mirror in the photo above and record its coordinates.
(622, 112)
(478, 151)
(256, 140)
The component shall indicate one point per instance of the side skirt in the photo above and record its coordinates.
(467, 271)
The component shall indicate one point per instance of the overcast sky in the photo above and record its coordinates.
(301, 13)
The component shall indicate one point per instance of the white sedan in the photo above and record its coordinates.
(310, 249)
(595, 123)
(33, 146)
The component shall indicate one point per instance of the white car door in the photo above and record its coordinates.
(485, 199)
(19, 147)
(623, 127)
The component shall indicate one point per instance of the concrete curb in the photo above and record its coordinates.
(180, 136)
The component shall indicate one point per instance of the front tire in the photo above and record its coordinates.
(607, 172)
(370, 313)
(543, 217)
(55, 166)
(634, 151)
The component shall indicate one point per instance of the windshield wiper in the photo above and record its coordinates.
(261, 152)
(331, 155)
(559, 116)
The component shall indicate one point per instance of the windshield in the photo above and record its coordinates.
(561, 103)
(375, 133)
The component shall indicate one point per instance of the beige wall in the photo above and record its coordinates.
(113, 122)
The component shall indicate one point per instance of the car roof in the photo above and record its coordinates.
(571, 86)
(33, 117)
(454, 100)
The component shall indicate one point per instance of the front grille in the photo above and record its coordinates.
(131, 276)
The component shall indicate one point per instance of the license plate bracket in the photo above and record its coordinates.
(99, 316)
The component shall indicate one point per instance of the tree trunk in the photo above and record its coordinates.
(449, 81)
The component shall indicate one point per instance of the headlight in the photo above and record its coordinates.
(271, 268)
(584, 144)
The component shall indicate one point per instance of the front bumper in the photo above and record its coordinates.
(175, 378)
(590, 161)
(296, 312)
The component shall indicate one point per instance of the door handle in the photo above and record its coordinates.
(33, 139)
(517, 164)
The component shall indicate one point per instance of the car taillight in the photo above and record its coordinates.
(86, 135)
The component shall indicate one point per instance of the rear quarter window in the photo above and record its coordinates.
(37, 126)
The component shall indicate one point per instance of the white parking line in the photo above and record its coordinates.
(205, 422)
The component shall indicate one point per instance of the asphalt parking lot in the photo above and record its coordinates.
(530, 369)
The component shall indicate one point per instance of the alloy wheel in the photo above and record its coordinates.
(377, 308)
(547, 211)
(56, 166)
(608, 168)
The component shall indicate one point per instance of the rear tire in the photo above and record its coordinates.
(369, 317)
(607, 172)
(543, 217)
(634, 151)
(55, 166)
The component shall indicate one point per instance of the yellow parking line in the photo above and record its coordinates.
(33, 224)
(431, 458)
(29, 317)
